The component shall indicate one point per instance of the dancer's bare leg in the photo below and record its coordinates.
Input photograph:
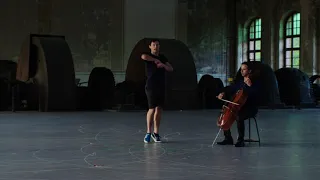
(150, 117)
(157, 119)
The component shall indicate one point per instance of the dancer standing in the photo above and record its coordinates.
(156, 66)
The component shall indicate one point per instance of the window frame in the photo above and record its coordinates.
(254, 39)
(291, 49)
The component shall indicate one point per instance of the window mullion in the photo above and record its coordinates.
(292, 58)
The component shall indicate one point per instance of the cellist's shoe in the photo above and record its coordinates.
(226, 142)
(239, 144)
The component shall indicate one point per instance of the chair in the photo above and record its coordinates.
(249, 139)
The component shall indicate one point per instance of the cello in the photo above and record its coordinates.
(229, 112)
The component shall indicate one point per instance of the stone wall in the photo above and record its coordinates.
(100, 33)
(273, 13)
(207, 36)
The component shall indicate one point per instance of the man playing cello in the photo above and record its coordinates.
(249, 109)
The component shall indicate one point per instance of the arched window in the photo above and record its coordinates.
(292, 41)
(254, 41)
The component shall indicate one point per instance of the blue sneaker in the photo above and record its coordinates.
(156, 137)
(147, 138)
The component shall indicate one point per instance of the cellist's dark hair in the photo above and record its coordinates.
(254, 73)
(248, 65)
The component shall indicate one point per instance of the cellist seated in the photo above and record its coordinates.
(249, 109)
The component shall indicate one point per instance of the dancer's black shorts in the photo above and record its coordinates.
(155, 96)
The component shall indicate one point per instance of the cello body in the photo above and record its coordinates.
(229, 112)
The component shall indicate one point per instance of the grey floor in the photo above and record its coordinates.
(109, 145)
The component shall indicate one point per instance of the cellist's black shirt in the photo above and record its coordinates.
(253, 98)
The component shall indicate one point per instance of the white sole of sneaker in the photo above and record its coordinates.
(154, 139)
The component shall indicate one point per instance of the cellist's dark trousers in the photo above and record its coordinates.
(244, 114)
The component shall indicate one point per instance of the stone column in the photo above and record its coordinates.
(307, 57)
(267, 32)
(44, 16)
(231, 38)
(117, 31)
(317, 64)
(182, 21)
(276, 24)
